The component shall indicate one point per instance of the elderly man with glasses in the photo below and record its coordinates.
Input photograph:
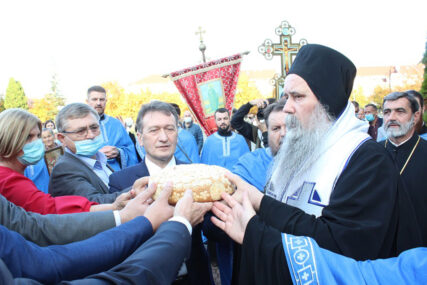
(83, 169)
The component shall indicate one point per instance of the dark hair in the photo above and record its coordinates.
(372, 105)
(96, 88)
(356, 105)
(177, 108)
(49, 121)
(418, 95)
(275, 107)
(155, 106)
(397, 95)
(221, 110)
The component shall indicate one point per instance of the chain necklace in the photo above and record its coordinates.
(410, 155)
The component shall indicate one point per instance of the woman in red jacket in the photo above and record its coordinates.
(20, 146)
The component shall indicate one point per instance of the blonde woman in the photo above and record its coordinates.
(20, 146)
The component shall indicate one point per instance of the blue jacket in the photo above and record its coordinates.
(197, 133)
(54, 263)
(147, 265)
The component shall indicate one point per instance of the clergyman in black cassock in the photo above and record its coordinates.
(358, 212)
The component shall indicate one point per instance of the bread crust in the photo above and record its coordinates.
(206, 181)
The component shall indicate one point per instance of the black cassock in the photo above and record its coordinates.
(414, 175)
(368, 217)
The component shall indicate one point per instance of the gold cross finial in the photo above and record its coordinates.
(200, 32)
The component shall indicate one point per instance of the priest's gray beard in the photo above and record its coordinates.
(404, 128)
(299, 148)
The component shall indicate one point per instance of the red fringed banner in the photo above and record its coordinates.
(209, 86)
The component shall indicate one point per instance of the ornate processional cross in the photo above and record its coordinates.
(202, 46)
(286, 49)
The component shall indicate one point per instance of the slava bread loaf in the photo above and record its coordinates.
(206, 181)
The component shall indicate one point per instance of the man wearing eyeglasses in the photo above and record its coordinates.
(117, 145)
(83, 169)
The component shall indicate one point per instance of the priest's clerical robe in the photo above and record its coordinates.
(186, 148)
(114, 134)
(39, 174)
(224, 151)
(366, 218)
(413, 154)
(302, 260)
(254, 166)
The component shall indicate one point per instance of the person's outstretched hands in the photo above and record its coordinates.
(233, 218)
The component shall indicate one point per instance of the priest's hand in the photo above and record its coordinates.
(137, 206)
(160, 210)
(254, 195)
(192, 211)
(233, 218)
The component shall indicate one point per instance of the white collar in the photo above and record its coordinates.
(396, 145)
(154, 168)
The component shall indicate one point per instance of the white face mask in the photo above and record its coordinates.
(188, 119)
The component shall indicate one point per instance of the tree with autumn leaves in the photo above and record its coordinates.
(127, 104)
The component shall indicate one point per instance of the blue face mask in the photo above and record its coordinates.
(369, 117)
(33, 152)
(89, 147)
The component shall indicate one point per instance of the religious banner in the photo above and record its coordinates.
(209, 86)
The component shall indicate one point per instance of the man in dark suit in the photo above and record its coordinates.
(155, 262)
(83, 169)
(157, 132)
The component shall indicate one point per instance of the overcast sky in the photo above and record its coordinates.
(90, 42)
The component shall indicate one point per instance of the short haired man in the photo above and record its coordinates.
(186, 147)
(193, 128)
(82, 170)
(408, 150)
(254, 166)
(223, 148)
(157, 132)
(371, 115)
(329, 181)
(117, 145)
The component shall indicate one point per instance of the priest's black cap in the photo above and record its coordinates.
(329, 74)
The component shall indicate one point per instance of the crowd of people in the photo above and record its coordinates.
(330, 193)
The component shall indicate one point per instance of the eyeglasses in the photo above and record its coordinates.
(82, 132)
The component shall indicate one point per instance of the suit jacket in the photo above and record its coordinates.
(53, 229)
(52, 264)
(198, 264)
(155, 262)
(71, 176)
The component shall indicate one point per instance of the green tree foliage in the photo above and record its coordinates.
(55, 95)
(423, 90)
(2, 103)
(15, 96)
(47, 107)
